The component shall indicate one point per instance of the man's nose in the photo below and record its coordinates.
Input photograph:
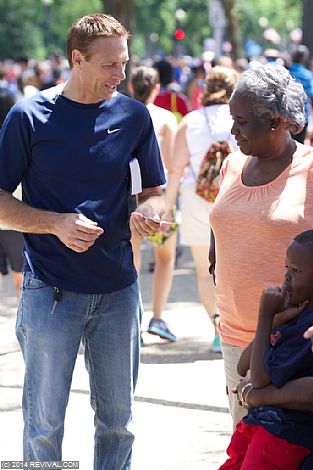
(120, 72)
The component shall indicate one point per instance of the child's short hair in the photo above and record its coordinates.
(305, 238)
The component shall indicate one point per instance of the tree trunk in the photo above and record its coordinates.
(233, 28)
(123, 11)
(307, 24)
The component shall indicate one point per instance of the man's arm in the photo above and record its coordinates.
(151, 204)
(74, 230)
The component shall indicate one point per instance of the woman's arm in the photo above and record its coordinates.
(212, 257)
(178, 164)
(168, 133)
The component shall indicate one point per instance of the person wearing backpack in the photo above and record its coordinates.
(196, 134)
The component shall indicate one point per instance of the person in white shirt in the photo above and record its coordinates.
(196, 133)
(145, 86)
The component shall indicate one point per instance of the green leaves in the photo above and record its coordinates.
(37, 27)
(26, 26)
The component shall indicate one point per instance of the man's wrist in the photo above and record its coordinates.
(52, 222)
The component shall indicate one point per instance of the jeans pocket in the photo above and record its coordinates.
(32, 282)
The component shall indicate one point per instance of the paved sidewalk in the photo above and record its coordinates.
(181, 416)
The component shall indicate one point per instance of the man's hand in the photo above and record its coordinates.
(144, 221)
(76, 231)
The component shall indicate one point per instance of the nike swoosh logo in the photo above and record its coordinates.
(111, 131)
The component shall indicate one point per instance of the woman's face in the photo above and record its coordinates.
(251, 133)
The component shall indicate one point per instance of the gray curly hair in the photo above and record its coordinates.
(275, 94)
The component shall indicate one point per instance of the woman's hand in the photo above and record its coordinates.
(309, 334)
(242, 390)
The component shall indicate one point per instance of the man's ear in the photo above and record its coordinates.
(77, 58)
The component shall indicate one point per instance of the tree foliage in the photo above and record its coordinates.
(156, 22)
(282, 15)
(27, 26)
(18, 35)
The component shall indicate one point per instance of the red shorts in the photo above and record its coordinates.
(254, 448)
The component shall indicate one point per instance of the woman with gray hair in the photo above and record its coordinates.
(265, 200)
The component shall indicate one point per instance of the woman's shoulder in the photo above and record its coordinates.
(195, 115)
(233, 165)
(303, 157)
(236, 160)
(160, 113)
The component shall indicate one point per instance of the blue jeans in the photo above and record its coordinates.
(109, 326)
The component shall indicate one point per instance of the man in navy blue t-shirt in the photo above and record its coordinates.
(72, 147)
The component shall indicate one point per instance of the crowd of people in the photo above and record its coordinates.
(132, 163)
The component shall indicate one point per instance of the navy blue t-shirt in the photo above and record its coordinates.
(289, 357)
(69, 160)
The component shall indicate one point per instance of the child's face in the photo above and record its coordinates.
(299, 274)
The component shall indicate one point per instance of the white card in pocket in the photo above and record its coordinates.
(135, 177)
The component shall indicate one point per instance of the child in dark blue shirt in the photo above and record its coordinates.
(272, 437)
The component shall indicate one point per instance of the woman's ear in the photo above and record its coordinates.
(130, 88)
(275, 122)
(155, 92)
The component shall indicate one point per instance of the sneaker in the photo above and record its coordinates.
(159, 328)
(216, 345)
(151, 267)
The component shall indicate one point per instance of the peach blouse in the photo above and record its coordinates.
(253, 226)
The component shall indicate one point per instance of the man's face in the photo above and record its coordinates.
(299, 274)
(102, 69)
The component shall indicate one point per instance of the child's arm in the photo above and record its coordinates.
(272, 301)
(279, 319)
(244, 361)
(294, 395)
